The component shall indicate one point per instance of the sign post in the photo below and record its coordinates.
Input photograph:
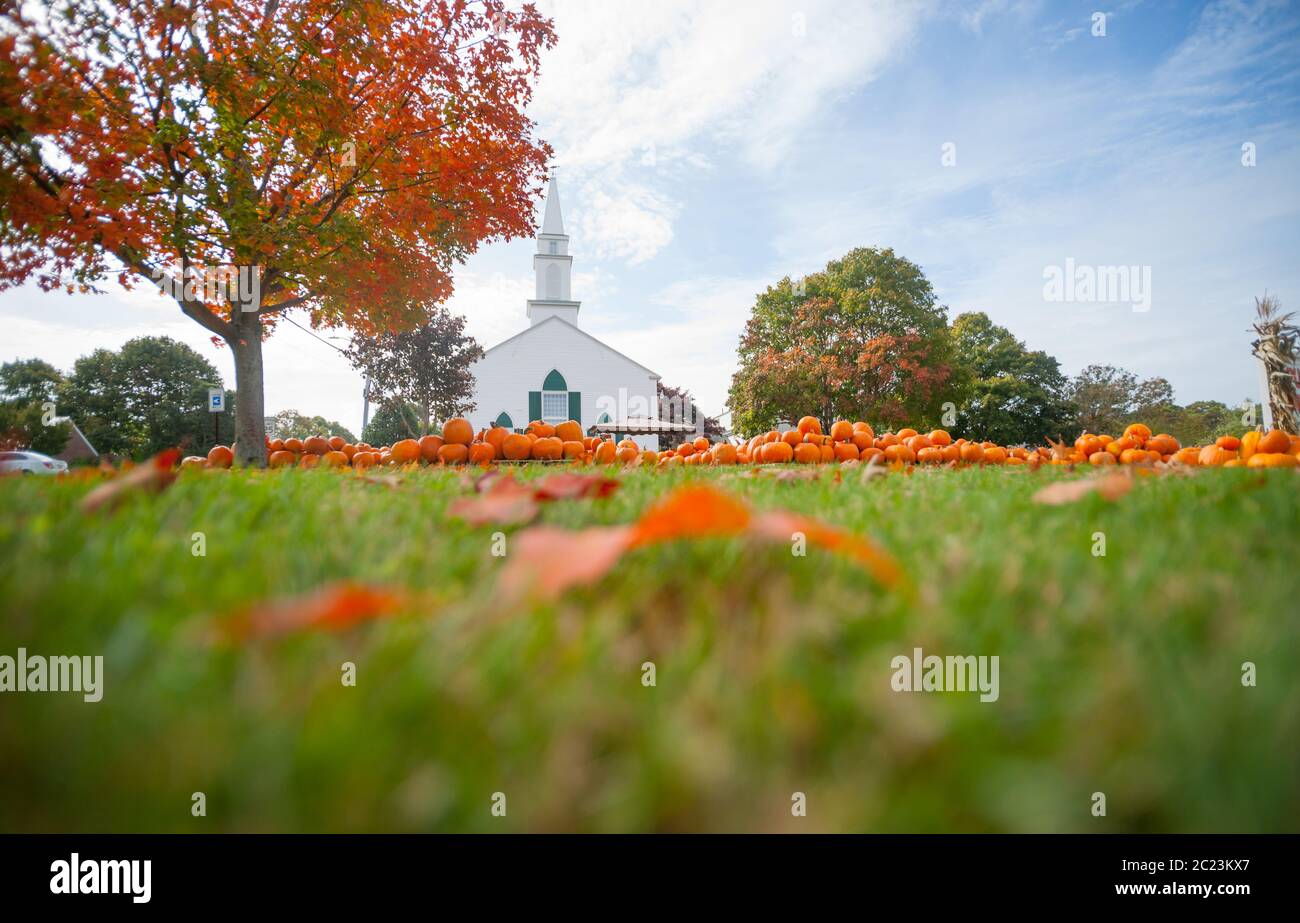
(216, 405)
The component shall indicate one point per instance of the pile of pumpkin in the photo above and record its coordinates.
(803, 444)
(1253, 449)
(846, 441)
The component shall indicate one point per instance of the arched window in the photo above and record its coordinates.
(553, 281)
(555, 403)
(503, 420)
(555, 398)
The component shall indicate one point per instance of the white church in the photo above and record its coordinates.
(555, 371)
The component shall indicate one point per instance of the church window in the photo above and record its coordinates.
(555, 248)
(555, 398)
(552, 281)
(555, 406)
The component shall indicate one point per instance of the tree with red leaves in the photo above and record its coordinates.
(333, 156)
(862, 340)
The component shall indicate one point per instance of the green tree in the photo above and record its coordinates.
(1010, 394)
(427, 368)
(1201, 422)
(1107, 399)
(290, 424)
(28, 407)
(29, 380)
(1103, 398)
(863, 339)
(26, 425)
(392, 421)
(150, 395)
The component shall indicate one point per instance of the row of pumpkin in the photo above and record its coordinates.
(805, 443)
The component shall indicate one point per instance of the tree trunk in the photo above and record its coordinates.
(250, 401)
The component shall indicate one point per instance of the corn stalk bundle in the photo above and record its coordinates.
(1276, 348)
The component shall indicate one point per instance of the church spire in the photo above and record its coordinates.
(552, 265)
(553, 222)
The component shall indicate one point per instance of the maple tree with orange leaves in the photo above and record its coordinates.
(343, 154)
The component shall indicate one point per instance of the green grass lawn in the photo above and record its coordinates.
(1118, 674)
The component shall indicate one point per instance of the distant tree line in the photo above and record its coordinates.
(865, 339)
(132, 402)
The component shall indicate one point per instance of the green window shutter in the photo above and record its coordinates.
(575, 405)
(534, 405)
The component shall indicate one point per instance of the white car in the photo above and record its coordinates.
(31, 463)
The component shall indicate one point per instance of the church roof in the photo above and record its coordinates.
(578, 330)
(553, 222)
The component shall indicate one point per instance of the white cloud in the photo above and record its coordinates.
(631, 224)
(692, 343)
(634, 90)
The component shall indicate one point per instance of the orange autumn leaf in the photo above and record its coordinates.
(691, 512)
(333, 607)
(376, 142)
(152, 476)
(572, 486)
(503, 500)
(780, 526)
(547, 560)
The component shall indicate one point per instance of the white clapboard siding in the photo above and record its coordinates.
(604, 377)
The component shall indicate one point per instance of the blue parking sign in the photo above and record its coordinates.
(216, 400)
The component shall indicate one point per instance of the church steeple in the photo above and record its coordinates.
(552, 265)
(553, 222)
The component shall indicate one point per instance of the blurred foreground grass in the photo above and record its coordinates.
(1118, 674)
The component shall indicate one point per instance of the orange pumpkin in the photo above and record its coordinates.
(809, 425)
(516, 446)
(569, 431)
(1274, 442)
(1273, 460)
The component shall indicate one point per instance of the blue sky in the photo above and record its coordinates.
(706, 150)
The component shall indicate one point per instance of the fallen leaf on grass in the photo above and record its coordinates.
(503, 500)
(779, 525)
(571, 486)
(546, 561)
(152, 476)
(1109, 487)
(695, 511)
(333, 607)
(809, 473)
(505, 508)
(873, 469)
